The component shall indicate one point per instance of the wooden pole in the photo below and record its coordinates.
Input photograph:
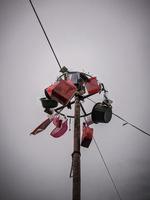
(76, 153)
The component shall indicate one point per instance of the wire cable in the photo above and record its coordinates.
(45, 33)
(108, 171)
(102, 157)
(126, 122)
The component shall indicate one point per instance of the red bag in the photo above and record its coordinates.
(48, 91)
(87, 136)
(92, 86)
(64, 91)
(59, 131)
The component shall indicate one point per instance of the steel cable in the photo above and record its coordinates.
(45, 33)
(108, 171)
(126, 122)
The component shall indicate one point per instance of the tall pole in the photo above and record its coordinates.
(76, 153)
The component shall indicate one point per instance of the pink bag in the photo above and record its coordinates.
(59, 131)
(92, 86)
(57, 121)
(87, 136)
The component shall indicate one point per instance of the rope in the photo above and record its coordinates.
(69, 124)
(111, 178)
(126, 122)
(71, 171)
(30, 1)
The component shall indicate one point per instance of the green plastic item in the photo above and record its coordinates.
(49, 103)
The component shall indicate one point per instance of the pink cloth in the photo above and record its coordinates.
(42, 126)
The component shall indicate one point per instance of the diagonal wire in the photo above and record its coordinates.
(83, 110)
(126, 122)
(111, 178)
(30, 1)
(108, 171)
(91, 100)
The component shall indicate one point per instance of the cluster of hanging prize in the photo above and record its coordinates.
(67, 86)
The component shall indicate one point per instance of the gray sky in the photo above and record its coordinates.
(109, 39)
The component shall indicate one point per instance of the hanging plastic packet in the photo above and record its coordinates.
(92, 86)
(89, 120)
(75, 77)
(87, 136)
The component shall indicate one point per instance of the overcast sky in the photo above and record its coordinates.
(109, 39)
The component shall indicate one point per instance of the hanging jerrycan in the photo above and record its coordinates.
(101, 113)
